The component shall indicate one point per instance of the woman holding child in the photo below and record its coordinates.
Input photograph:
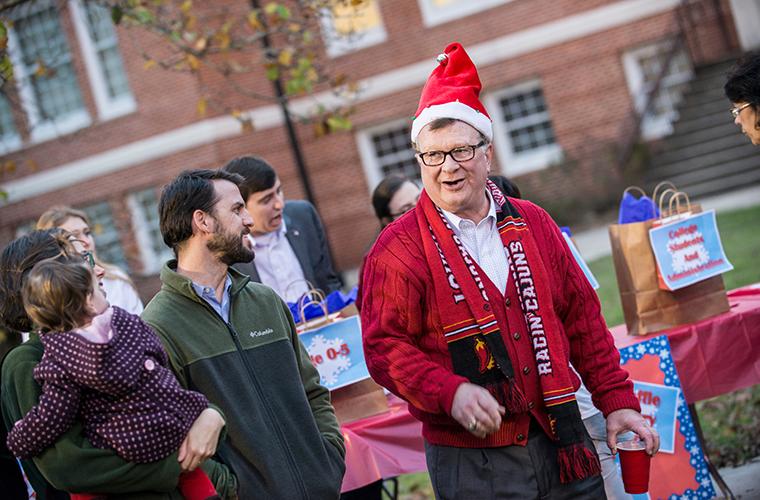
(76, 461)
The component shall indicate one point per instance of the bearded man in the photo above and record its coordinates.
(234, 340)
(472, 306)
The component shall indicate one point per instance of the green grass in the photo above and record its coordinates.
(731, 422)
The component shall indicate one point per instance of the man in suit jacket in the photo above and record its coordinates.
(288, 237)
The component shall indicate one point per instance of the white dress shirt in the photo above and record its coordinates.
(483, 243)
(278, 265)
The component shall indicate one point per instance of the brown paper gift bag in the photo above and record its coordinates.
(646, 307)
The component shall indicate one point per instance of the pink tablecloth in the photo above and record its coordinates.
(383, 446)
(716, 355)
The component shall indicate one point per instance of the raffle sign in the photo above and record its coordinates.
(336, 351)
(688, 250)
(679, 469)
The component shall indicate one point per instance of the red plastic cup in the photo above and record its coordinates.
(634, 463)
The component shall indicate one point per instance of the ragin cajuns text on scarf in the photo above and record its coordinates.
(529, 302)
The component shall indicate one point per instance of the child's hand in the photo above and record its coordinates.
(201, 439)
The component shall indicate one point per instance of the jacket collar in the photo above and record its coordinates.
(172, 281)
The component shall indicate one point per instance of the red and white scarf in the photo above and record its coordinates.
(473, 335)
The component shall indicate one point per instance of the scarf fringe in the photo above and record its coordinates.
(514, 399)
(577, 462)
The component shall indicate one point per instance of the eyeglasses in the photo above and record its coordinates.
(88, 257)
(458, 154)
(738, 109)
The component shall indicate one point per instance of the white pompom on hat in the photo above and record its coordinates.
(452, 91)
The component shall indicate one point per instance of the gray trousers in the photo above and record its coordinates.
(509, 472)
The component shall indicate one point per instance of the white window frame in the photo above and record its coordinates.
(39, 130)
(108, 107)
(652, 126)
(511, 163)
(370, 163)
(433, 15)
(151, 261)
(337, 45)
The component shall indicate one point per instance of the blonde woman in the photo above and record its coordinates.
(119, 288)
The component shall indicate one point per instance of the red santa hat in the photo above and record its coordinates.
(452, 91)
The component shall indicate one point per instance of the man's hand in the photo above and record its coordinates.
(201, 439)
(623, 420)
(476, 410)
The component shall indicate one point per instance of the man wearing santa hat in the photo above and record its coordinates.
(472, 306)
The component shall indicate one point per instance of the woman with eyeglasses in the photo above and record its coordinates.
(743, 90)
(393, 197)
(119, 288)
(72, 463)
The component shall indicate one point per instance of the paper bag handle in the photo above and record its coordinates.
(671, 192)
(634, 188)
(313, 296)
(661, 185)
(677, 198)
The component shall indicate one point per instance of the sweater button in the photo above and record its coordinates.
(516, 336)
(508, 302)
(149, 365)
(486, 307)
(531, 404)
(526, 370)
(520, 437)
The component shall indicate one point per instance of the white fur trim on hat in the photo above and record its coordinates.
(457, 111)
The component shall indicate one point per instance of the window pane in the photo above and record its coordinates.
(527, 120)
(107, 238)
(148, 203)
(394, 152)
(103, 35)
(7, 125)
(651, 61)
(47, 60)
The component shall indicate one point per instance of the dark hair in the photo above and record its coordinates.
(191, 190)
(257, 174)
(743, 84)
(383, 193)
(16, 260)
(55, 294)
(506, 186)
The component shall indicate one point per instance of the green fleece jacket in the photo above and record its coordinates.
(283, 440)
(72, 463)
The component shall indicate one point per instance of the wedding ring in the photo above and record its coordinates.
(473, 425)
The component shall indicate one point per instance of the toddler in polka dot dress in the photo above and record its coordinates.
(106, 367)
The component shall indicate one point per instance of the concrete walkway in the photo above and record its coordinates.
(744, 481)
(595, 243)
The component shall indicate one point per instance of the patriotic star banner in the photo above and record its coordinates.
(679, 470)
(336, 351)
(688, 250)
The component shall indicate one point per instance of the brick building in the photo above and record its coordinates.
(562, 80)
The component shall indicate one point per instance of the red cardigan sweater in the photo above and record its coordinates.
(406, 352)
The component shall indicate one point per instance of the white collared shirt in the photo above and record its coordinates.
(483, 243)
(278, 265)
